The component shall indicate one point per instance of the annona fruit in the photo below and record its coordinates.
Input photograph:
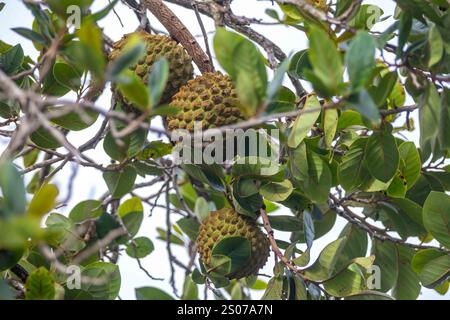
(209, 99)
(226, 223)
(157, 46)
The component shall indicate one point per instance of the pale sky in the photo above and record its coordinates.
(89, 183)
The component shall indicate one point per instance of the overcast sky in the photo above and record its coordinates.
(89, 183)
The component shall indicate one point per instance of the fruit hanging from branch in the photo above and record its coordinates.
(228, 224)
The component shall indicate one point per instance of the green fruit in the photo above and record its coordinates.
(209, 99)
(157, 46)
(226, 223)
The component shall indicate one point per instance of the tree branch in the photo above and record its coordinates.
(180, 33)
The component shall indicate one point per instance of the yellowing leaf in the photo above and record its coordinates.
(304, 121)
(43, 201)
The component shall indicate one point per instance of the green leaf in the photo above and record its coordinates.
(277, 82)
(326, 61)
(145, 169)
(201, 208)
(369, 295)
(190, 290)
(352, 171)
(141, 248)
(251, 77)
(274, 289)
(109, 273)
(52, 87)
(63, 234)
(44, 139)
(8, 111)
(76, 294)
(105, 11)
(154, 150)
(350, 118)
(245, 64)
(413, 211)
(393, 219)
(384, 88)
(198, 277)
(285, 223)
(120, 182)
(382, 156)
(67, 76)
(436, 45)
(40, 285)
(9, 258)
(255, 167)
(442, 288)
(444, 123)
(43, 201)
(220, 266)
(238, 249)
(60, 6)
(13, 190)
(75, 121)
(85, 210)
(345, 283)
(284, 101)
(30, 158)
(209, 174)
(225, 43)
(436, 216)
(132, 145)
(90, 48)
(134, 90)
(397, 187)
(422, 257)
(429, 117)
(386, 258)
(407, 286)
(321, 226)
(330, 123)
(299, 63)
(190, 227)
(353, 247)
(6, 292)
(12, 59)
(134, 49)
(31, 35)
(276, 191)
(131, 212)
(360, 60)
(410, 164)
(323, 267)
(318, 184)
(174, 239)
(219, 281)
(364, 104)
(157, 81)
(151, 293)
(304, 121)
(435, 271)
(366, 17)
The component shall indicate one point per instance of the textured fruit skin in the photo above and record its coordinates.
(210, 99)
(157, 46)
(228, 223)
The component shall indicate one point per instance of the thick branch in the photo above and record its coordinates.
(240, 24)
(180, 33)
